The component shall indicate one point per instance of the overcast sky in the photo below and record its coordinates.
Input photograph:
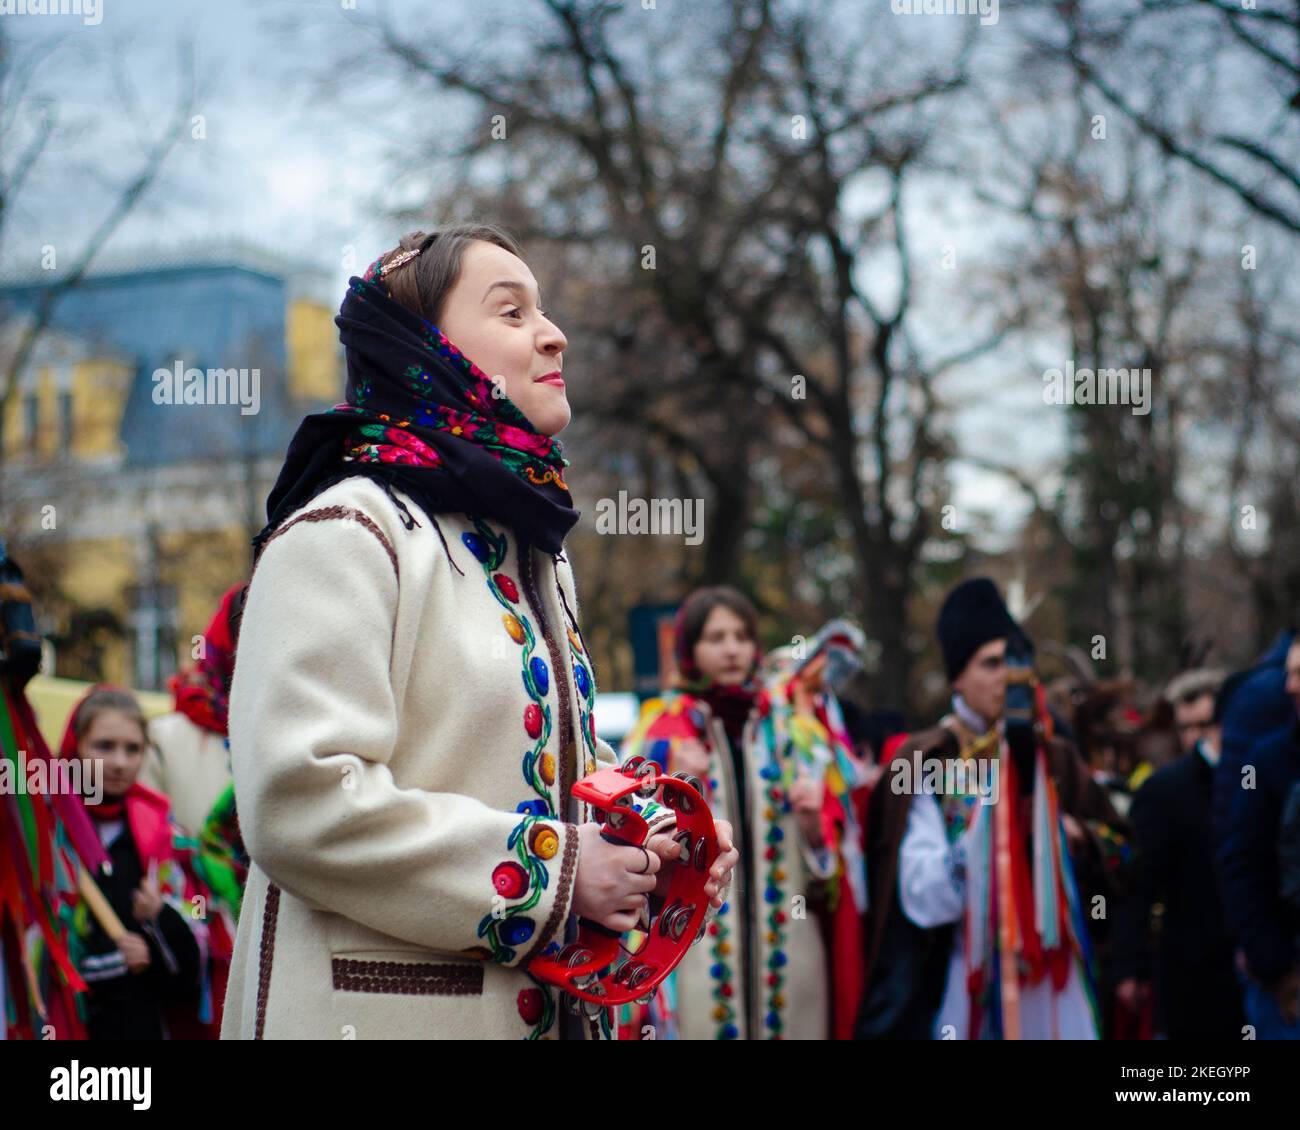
(274, 169)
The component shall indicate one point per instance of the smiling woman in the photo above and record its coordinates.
(472, 282)
(410, 627)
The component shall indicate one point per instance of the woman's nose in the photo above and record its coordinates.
(552, 338)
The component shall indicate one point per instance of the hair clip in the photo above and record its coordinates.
(406, 256)
(399, 261)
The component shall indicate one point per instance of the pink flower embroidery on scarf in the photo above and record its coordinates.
(531, 442)
(414, 450)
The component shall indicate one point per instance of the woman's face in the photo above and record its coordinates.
(491, 315)
(115, 739)
(724, 653)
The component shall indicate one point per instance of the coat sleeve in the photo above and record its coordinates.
(606, 758)
(313, 728)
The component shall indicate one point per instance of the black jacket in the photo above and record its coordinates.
(1184, 949)
(122, 1005)
(1248, 856)
(1288, 858)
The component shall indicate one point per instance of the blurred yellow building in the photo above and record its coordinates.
(130, 509)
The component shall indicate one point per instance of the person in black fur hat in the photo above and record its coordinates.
(972, 615)
(930, 878)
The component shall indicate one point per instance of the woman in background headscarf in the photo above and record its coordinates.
(143, 956)
(758, 749)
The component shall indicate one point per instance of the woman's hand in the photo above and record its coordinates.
(806, 800)
(669, 852)
(720, 873)
(808, 684)
(613, 880)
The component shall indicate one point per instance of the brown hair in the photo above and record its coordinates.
(694, 614)
(423, 283)
(101, 700)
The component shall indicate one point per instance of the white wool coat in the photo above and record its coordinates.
(407, 721)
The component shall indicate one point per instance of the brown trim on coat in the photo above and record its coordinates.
(568, 868)
(265, 955)
(407, 978)
(324, 514)
(561, 672)
(660, 820)
(564, 600)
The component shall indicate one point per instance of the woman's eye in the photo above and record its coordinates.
(512, 313)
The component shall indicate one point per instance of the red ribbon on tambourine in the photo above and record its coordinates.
(598, 968)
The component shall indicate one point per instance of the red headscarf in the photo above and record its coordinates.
(202, 691)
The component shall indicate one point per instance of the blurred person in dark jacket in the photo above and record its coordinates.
(1249, 865)
(1288, 860)
(1172, 935)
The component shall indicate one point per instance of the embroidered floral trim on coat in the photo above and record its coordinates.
(519, 881)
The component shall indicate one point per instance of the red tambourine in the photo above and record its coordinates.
(598, 968)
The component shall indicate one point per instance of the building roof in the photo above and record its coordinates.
(222, 310)
(300, 274)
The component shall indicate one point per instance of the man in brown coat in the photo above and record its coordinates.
(918, 846)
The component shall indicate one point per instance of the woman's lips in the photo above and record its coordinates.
(551, 379)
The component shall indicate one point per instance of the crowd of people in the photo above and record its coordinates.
(1151, 889)
(1138, 880)
(336, 836)
(129, 938)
